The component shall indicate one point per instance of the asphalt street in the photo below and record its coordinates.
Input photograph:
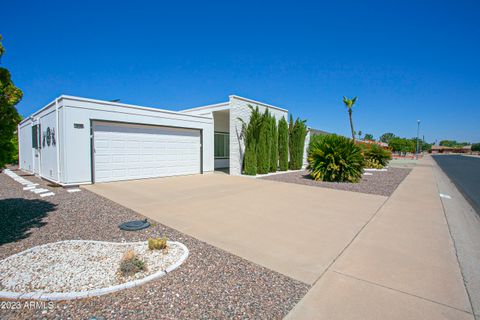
(464, 172)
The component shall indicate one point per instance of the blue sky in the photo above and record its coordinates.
(405, 60)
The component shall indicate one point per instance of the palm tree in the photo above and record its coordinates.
(349, 104)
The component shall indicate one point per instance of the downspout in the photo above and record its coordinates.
(57, 143)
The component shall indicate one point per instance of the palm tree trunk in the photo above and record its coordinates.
(351, 124)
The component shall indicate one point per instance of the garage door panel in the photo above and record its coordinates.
(125, 151)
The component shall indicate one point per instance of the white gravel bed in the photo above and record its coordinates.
(80, 268)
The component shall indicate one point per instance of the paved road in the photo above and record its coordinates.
(464, 172)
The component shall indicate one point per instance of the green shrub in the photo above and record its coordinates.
(373, 164)
(376, 154)
(274, 143)
(250, 160)
(250, 133)
(297, 134)
(131, 264)
(476, 147)
(264, 144)
(158, 243)
(335, 158)
(283, 144)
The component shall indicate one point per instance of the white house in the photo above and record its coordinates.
(77, 140)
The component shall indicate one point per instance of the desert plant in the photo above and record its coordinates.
(349, 104)
(131, 263)
(335, 158)
(158, 243)
(283, 144)
(274, 144)
(377, 154)
(373, 164)
(297, 134)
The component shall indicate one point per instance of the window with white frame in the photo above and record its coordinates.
(222, 145)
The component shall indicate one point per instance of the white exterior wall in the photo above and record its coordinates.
(25, 151)
(77, 153)
(48, 151)
(239, 109)
(43, 161)
(305, 150)
(221, 121)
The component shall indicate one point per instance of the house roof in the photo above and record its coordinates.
(318, 132)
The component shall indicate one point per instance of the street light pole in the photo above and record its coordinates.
(418, 133)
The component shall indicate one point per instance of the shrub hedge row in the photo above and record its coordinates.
(267, 148)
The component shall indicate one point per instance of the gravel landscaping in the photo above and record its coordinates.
(211, 283)
(79, 265)
(379, 182)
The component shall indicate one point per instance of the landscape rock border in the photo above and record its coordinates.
(47, 296)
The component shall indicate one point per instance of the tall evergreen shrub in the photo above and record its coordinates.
(274, 142)
(264, 144)
(250, 134)
(297, 134)
(250, 160)
(283, 144)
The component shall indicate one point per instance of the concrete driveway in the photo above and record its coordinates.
(293, 229)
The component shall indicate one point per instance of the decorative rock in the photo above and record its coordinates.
(75, 269)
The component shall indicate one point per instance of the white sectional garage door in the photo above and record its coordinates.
(129, 151)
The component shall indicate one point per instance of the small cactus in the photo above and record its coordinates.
(157, 244)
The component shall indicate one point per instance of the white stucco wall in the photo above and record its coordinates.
(221, 121)
(48, 151)
(305, 150)
(239, 109)
(44, 160)
(25, 151)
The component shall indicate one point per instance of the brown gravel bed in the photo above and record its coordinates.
(211, 284)
(381, 182)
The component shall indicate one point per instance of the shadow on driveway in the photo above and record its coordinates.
(19, 215)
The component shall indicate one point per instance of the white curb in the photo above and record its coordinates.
(48, 296)
(47, 194)
(37, 191)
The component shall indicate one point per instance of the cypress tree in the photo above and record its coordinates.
(298, 132)
(250, 133)
(274, 143)
(250, 160)
(263, 144)
(283, 144)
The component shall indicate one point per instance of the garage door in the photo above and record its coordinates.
(129, 151)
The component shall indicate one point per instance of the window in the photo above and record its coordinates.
(35, 137)
(222, 145)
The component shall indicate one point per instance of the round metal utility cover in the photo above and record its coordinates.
(134, 225)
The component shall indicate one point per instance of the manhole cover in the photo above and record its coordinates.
(134, 225)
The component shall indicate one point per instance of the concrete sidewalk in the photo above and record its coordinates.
(402, 265)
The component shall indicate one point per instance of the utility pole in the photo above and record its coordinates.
(418, 133)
